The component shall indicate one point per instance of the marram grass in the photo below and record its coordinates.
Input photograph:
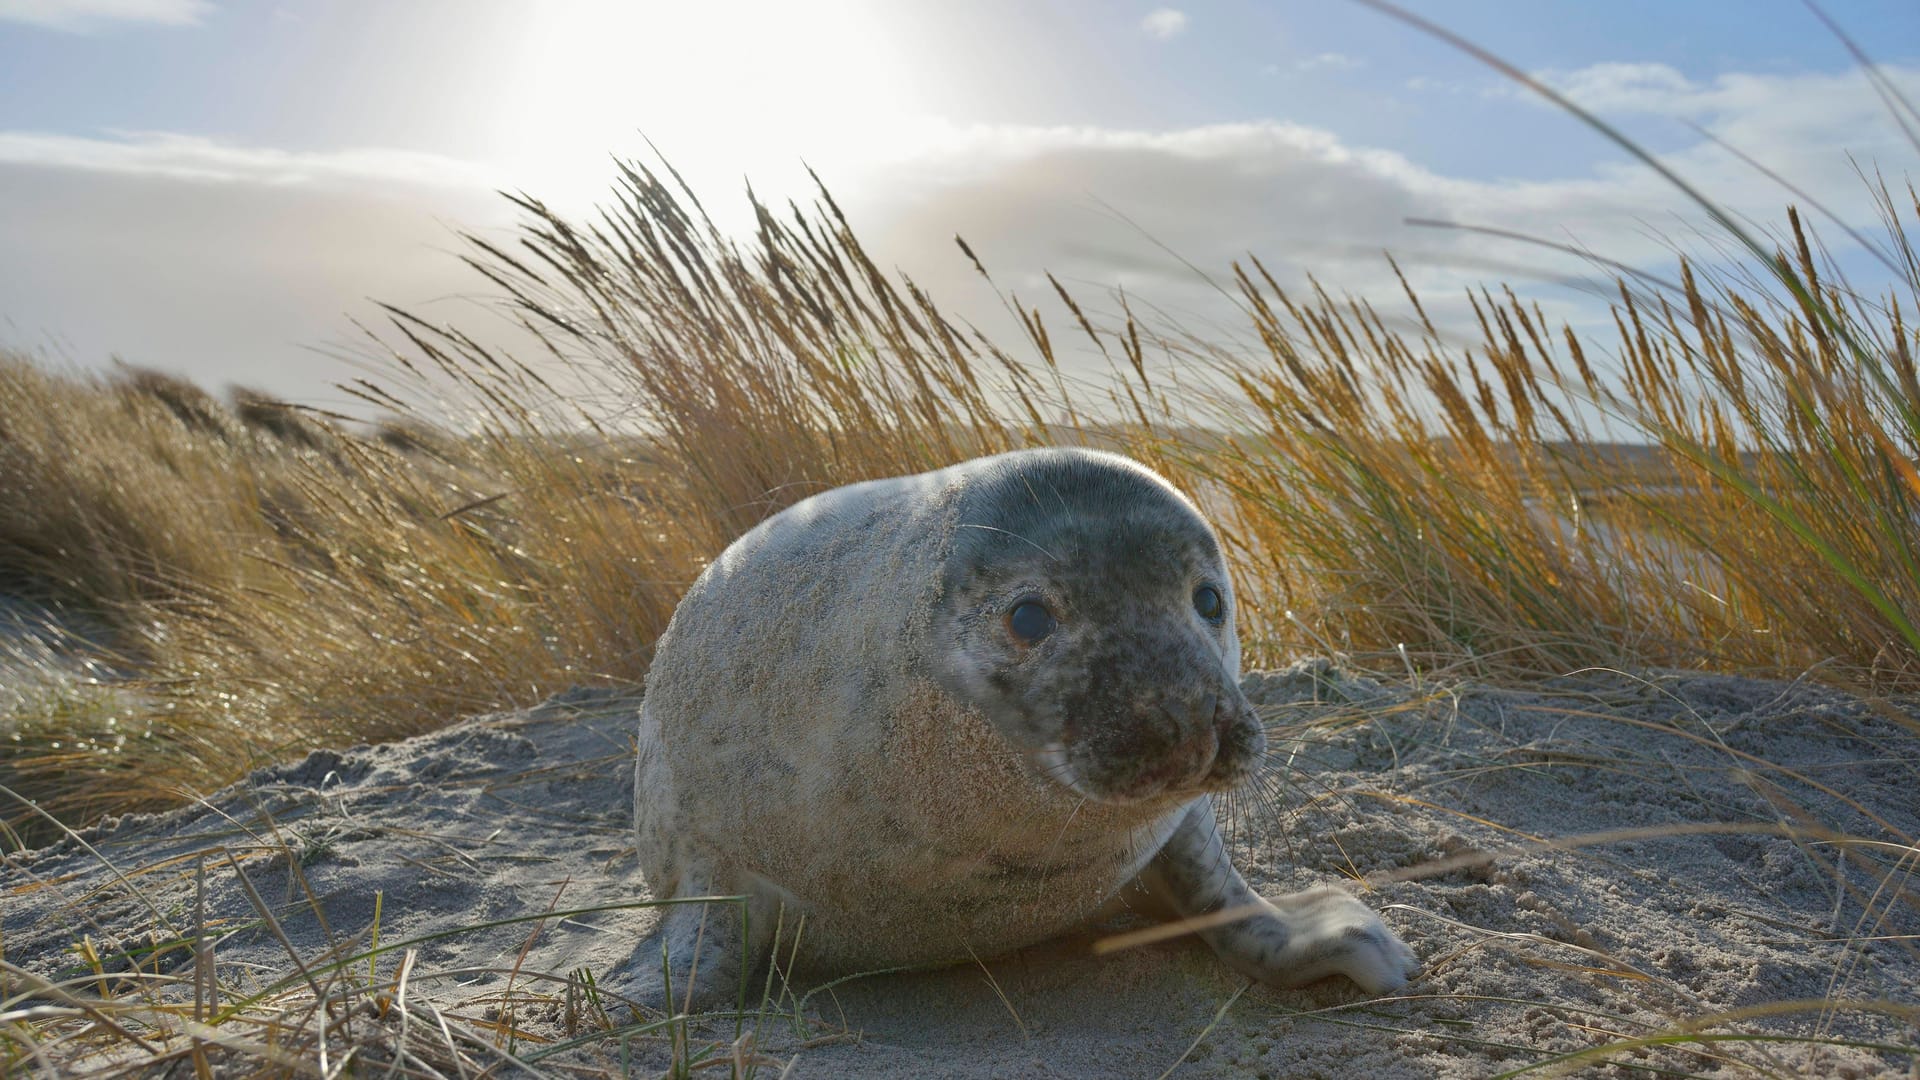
(278, 579)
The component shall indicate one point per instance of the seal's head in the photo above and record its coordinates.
(1085, 610)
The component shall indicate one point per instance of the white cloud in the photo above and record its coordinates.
(1423, 84)
(192, 157)
(227, 262)
(1751, 101)
(1804, 127)
(1165, 23)
(1329, 61)
(1030, 198)
(84, 15)
(227, 282)
(1622, 87)
(177, 249)
(1306, 201)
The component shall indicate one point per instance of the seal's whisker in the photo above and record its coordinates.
(1264, 790)
(1053, 848)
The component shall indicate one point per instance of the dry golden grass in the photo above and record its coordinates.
(280, 588)
(279, 581)
(1766, 527)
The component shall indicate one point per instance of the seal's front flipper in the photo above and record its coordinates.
(697, 957)
(1294, 939)
(705, 955)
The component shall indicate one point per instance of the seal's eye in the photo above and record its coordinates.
(1030, 621)
(1207, 601)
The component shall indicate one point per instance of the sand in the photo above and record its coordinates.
(1439, 803)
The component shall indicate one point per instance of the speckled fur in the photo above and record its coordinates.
(840, 726)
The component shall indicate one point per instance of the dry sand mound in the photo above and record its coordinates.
(1437, 797)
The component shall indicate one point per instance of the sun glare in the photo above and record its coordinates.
(726, 90)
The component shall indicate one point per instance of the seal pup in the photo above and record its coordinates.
(950, 715)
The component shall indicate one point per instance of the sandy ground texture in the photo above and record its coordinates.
(1697, 879)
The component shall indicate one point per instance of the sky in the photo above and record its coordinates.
(224, 189)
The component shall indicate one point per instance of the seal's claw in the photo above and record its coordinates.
(1353, 939)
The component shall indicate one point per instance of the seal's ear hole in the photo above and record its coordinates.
(1209, 603)
(1030, 621)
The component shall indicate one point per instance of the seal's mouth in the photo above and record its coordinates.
(1187, 766)
(1052, 762)
(1212, 761)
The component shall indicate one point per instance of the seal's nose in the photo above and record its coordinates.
(1187, 764)
(1182, 766)
(1238, 742)
(1196, 756)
